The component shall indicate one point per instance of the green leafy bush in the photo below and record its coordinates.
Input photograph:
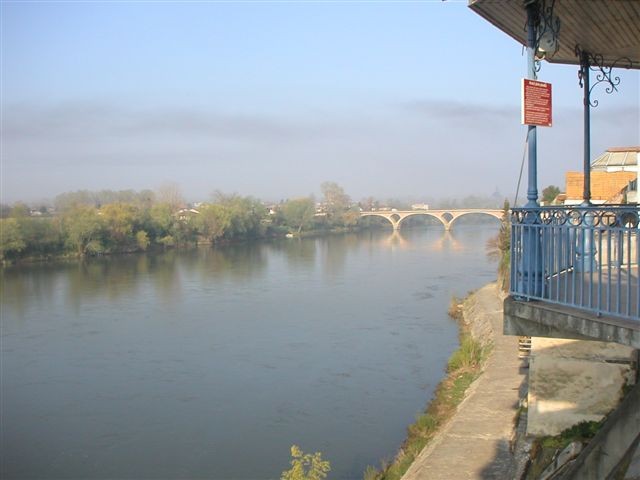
(306, 466)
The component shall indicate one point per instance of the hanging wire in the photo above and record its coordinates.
(524, 153)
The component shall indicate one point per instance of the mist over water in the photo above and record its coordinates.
(211, 363)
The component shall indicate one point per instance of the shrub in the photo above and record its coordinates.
(306, 466)
(470, 354)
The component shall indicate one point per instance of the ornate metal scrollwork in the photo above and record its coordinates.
(547, 31)
(604, 73)
(537, 65)
(601, 217)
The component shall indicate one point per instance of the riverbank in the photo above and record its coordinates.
(474, 408)
(484, 423)
(274, 234)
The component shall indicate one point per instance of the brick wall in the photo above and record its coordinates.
(604, 185)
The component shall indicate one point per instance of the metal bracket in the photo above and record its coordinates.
(604, 73)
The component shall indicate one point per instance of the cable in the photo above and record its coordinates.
(524, 152)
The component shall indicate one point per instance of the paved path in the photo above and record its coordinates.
(475, 443)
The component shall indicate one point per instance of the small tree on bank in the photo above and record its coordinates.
(298, 213)
(306, 466)
(499, 248)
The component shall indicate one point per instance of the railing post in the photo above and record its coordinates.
(586, 155)
(532, 144)
(531, 240)
(585, 252)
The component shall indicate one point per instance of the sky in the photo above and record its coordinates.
(403, 99)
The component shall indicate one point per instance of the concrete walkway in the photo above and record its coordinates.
(474, 444)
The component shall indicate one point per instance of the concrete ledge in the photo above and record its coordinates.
(540, 319)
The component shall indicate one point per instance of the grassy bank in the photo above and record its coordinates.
(463, 367)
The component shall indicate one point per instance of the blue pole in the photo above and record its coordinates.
(585, 251)
(532, 246)
(584, 70)
(532, 190)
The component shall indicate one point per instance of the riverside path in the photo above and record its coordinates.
(474, 444)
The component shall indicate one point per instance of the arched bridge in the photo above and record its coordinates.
(446, 217)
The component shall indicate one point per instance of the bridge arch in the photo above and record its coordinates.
(446, 217)
(479, 212)
(381, 215)
(424, 214)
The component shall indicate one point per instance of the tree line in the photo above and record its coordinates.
(87, 223)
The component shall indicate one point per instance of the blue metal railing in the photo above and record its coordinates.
(582, 257)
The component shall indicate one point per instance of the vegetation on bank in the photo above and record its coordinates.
(306, 466)
(463, 367)
(499, 249)
(544, 449)
(85, 223)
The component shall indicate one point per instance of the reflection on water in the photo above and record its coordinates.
(177, 364)
(110, 278)
(445, 242)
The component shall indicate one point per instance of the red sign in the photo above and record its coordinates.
(536, 103)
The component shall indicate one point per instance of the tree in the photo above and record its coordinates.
(298, 213)
(213, 221)
(83, 228)
(118, 220)
(11, 240)
(160, 219)
(142, 239)
(42, 235)
(146, 198)
(369, 203)
(170, 194)
(20, 210)
(306, 466)
(69, 200)
(351, 217)
(549, 194)
(5, 210)
(499, 248)
(336, 201)
(246, 215)
(334, 197)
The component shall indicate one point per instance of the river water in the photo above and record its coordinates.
(211, 363)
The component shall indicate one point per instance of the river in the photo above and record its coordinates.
(211, 363)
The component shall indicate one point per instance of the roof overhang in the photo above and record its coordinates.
(610, 28)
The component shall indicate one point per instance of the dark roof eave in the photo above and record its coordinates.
(601, 27)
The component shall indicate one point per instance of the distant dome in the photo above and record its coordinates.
(618, 158)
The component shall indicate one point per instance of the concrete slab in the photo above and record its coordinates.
(542, 319)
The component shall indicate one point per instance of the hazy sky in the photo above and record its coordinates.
(270, 99)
